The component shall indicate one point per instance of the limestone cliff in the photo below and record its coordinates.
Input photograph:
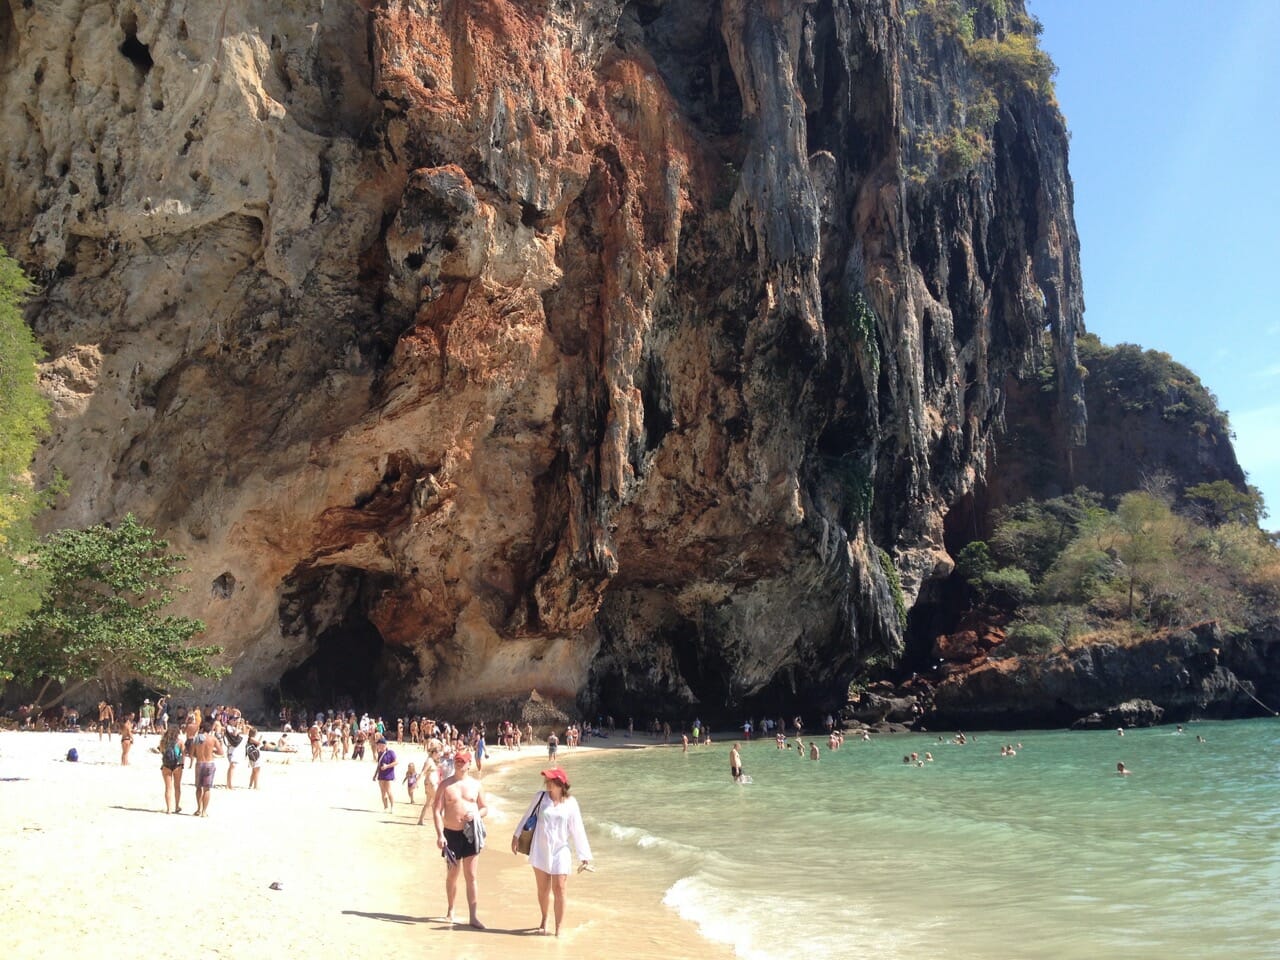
(628, 351)
(1151, 422)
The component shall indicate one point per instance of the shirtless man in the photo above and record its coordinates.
(204, 749)
(459, 801)
(735, 763)
(106, 719)
(190, 730)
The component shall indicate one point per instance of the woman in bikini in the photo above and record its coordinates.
(171, 769)
(126, 739)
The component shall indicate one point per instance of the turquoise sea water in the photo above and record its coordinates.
(974, 856)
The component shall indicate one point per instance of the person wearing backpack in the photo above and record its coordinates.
(253, 753)
(171, 769)
(236, 743)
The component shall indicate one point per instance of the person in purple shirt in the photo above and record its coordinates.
(386, 774)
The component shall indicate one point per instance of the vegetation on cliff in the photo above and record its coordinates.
(1006, 61)
(23, 420)
(1137, 379)
(1071, 568)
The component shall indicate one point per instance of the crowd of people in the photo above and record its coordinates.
(444, 778)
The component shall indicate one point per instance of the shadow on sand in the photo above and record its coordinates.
(440, 923)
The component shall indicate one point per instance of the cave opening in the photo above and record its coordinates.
(133, 49)
(704, 669)
(349, 665)
(342, 672)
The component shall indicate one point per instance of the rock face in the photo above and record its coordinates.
(629, 351)
(1150, 421)
(1177, 676)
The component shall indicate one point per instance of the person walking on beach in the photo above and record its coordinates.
(559, 821)
(385, 774)
(253, 754)
(205, 748)
(106, 719)
(432, 776)
(171, 769)
(735, 763)
(189, 736)
(235, 738)
(553, 743)
(460, 803)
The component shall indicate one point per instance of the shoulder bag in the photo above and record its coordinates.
(524, 842)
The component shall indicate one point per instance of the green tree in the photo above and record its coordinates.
(104, 615)
(1220, 502)
(1032, 534)
(1148, 537)
(24, 414)
(973, 563)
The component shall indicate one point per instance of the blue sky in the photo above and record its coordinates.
(1174, 113)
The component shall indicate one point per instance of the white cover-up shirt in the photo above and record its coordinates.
(558, 823)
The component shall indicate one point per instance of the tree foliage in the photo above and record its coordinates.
(1221, 502)
(1030, 535)
(103, 616)
(1069, 566)
(23, 420)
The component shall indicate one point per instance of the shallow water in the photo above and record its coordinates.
(1048, 854)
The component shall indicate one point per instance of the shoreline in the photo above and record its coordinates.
(352, 877)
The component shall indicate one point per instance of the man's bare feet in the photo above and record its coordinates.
(477, 924)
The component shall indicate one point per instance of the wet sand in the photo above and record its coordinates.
(94, 867)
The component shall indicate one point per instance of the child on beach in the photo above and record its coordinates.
(411, 779)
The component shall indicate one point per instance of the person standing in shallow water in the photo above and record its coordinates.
(559, 821)
(735, 763)
(459, 802)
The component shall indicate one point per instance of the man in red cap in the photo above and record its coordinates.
(458, 811)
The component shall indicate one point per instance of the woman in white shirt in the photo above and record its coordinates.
(559, 821)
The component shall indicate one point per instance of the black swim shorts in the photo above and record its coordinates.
(458, 844)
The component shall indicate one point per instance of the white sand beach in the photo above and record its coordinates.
(95, 868)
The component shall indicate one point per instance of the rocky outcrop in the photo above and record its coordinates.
(1152, 424)
(629, 351)
(1131, 713)
(1189, 673)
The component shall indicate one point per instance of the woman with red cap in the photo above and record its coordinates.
(559, 821)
